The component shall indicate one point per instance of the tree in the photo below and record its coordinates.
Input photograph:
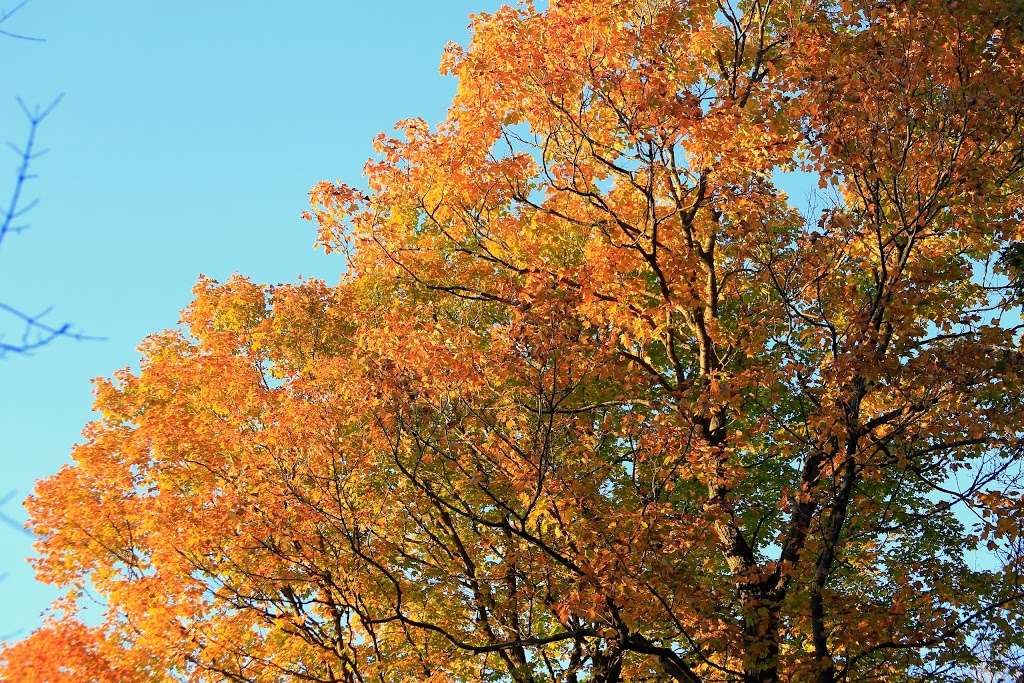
(592, 400)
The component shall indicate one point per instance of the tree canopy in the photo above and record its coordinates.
(594, 400)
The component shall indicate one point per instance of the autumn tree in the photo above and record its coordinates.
(593, 400)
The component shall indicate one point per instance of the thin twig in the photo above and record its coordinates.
(10, 521)
(5, 15)
(27, 153)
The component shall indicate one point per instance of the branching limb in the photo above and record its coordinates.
(7, 14)
(8, 520)
(35, 331)
(17, 207)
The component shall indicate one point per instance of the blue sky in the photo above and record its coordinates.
(187, 140)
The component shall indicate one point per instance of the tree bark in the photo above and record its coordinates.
(760, 639)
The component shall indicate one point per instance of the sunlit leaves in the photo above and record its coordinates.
(593, 400)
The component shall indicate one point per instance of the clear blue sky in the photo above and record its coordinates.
(189, 136)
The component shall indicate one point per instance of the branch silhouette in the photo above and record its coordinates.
(7, 14)
(35, 330)
(10, 521)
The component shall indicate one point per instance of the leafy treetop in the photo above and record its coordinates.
(593, 401)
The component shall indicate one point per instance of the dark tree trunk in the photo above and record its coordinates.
(760, 641)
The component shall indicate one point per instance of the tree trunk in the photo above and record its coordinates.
(760, 641)
(607, 664)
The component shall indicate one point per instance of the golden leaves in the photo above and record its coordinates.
(590, 387)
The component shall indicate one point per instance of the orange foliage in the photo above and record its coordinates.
(66, 651)
(593, 400)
